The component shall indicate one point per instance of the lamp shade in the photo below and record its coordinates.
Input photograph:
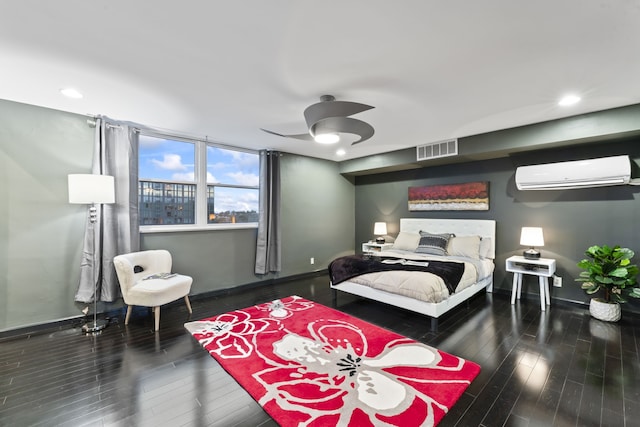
(532, 236)
(380, 228)
(89, 188)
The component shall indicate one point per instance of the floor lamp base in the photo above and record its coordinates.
(95, 326)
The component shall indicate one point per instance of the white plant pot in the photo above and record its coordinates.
(607, 311)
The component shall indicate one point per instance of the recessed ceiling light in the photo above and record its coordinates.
(71, 93)
(568, 100)
(341, 152)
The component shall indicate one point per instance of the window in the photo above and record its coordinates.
(182, 183)
(232, 185)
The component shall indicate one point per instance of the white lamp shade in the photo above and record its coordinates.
(380, 228)
(87, 189)
(532, 236)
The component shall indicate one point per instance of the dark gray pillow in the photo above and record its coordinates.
(433, 244)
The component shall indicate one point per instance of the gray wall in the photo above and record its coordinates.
(572, 219)
(41, 233)
(317, 222)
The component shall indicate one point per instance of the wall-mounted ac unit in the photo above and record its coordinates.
(600, 172)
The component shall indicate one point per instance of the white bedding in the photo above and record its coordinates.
(423, 286)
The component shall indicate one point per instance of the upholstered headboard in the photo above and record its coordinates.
(460, 227)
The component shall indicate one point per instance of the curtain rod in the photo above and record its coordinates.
(92, 123)
(163, 133)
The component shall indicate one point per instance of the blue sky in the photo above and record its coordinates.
(164, 159)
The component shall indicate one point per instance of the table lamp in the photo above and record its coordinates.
(532, 237)
(380, 230)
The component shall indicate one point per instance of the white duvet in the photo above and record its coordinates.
(421, 285)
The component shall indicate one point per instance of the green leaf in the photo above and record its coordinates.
(590, 288)
(603, 279)
(626, 252)
(592, 250)
(619, 272)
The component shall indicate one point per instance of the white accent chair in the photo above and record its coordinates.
(137, 289)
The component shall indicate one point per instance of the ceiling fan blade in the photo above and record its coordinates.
(331, 116)
(325, 109)
(344, 125)
(302, 136)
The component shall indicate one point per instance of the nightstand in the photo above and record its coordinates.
(369, 247)
(541, 267)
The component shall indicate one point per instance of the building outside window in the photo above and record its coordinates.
(190, 182)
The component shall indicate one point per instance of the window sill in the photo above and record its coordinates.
(186, 228)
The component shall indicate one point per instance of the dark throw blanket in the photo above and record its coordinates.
(345, 268)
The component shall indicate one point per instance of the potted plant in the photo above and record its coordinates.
(610, 270)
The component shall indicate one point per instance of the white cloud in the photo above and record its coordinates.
(248, 179)
(150, 142)
(236, 200)
(183, 176)
(171, 162)
(218, 165)
(220, 159)
(245, 159)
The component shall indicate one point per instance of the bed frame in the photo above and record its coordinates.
(461, 227)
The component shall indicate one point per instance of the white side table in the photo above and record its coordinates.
(369, 247)
(541, 267)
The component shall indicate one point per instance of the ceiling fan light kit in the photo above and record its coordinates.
(327, 138)
(329, 118)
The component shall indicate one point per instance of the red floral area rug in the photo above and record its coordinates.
(310, 365)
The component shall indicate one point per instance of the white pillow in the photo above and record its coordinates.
(485, 248)
(464, 246)
(406, 241)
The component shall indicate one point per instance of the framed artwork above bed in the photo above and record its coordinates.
(469, 196)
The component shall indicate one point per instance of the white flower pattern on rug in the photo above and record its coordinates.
(229, 335)
(328, 372)
(333, 363)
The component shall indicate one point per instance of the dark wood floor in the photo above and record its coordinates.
(558, 368)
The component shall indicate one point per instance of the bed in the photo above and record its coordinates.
(471, 243)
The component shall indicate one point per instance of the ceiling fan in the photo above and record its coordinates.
(329, 118)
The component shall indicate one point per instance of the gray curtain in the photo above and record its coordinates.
(116, 230)
(268, 250)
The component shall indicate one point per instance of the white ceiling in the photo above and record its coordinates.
(432, 69)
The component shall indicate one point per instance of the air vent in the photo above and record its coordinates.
(437, 149)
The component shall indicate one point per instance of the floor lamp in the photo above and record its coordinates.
(88, 189)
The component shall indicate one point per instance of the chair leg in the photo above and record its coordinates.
(126, 318)
(186, 300)
(157, 313)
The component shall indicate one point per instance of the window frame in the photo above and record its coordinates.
(200, 175)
